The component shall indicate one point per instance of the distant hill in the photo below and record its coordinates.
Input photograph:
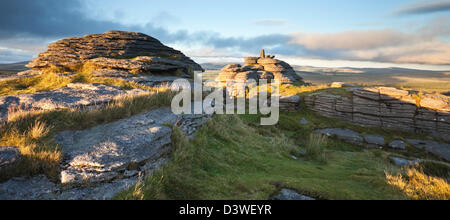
(12, 68)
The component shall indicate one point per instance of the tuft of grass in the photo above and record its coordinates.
(315, 148)
(418, 186)
(38, 130)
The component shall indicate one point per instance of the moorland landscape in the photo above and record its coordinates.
(91, 118)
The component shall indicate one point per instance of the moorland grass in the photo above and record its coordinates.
(233, 157)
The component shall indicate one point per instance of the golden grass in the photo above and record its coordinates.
(419, 186)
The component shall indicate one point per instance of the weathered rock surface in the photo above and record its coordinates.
(258, 68)
(387, 108)
(441, 150)
(41, 188)
(75, 95)
(303, 121)
(287, 194)
(72, 52)
(8, 156)
(143, 64)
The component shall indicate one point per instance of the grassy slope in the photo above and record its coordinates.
(51, 81)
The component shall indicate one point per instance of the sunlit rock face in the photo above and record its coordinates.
(257, 68)
(118, 50)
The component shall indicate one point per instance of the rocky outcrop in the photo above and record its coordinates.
(73, 96)
(257, 68)
(119, 50)
(386, 108)
(122, 148)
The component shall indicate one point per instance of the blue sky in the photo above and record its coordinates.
(369, 33)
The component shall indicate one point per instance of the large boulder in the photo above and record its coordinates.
(71, 53)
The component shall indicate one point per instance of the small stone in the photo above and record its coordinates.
(287, 194)
(397, 144)
(403, 162)
(8, 156)
(374, 140)
(341, 85)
